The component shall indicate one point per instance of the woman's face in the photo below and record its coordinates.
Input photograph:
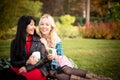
(30, 28)
(45, 26)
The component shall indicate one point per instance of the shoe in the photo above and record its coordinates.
(92, 76)
(100, 77)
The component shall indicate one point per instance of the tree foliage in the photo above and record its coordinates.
(99, 8)
(74, 7)
(114, 11)
(53, 7)
(11, 10)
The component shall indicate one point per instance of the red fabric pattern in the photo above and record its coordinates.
(28, 44)
(35, 74)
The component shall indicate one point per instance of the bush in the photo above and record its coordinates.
(82, 20)
(102, 30)
(65, 27)
(67, 19)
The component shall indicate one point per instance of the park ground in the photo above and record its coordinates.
(96, 55)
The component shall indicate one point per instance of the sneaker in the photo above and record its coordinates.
(74, 77)
(100, 77)
(92, 76)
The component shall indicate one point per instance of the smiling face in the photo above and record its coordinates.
(45, 26)
(30, 28)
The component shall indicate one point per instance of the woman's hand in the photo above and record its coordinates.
(51, 56)
(31, 60)
(43, 40)
(22, 69)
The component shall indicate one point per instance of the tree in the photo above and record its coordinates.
(88, 13)
(99, 8)
(114, 11)
(53, 7)
(11, 10)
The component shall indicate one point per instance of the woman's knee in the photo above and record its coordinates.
(67, 70)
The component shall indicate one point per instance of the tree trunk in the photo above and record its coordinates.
(88, 13)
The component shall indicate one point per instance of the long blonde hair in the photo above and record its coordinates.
(53, 37)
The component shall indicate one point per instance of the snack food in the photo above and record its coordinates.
(37, 55)
(52, 51)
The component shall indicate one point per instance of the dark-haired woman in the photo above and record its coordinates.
(25, 43)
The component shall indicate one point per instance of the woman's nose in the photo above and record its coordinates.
(34, 27)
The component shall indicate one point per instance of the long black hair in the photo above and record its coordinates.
(21, 33)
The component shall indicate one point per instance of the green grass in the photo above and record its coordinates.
(4, 48)
(95, 55)
(99, 56)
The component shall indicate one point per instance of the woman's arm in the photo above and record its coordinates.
(45, 44)
(40, 47)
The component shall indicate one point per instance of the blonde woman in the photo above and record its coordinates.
(60, 68)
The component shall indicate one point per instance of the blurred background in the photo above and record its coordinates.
(102, 14)
(89, 29)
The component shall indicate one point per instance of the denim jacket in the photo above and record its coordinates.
(59, 50)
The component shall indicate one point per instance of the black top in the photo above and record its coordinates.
(19, 59)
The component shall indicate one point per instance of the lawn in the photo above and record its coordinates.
(95, 55)
(4, 48)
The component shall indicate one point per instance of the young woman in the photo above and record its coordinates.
(25, 43)
(61, 68)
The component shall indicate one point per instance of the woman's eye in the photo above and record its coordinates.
(41, 24)
(32, 24)
(47, 24)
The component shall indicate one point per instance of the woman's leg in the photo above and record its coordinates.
(74, 71)
(62, 76)
(59, 76)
